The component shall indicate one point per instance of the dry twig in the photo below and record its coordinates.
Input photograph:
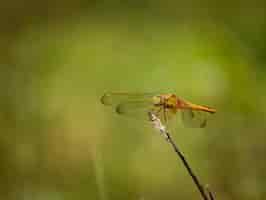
(157, 124)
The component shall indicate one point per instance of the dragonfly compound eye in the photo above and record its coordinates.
(156, 100)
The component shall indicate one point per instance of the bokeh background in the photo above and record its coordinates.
(57, 141)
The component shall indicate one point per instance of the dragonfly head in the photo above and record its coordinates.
(157, 100)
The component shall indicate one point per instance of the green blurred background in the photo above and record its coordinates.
(58, 57)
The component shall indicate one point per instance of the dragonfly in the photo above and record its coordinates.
(165, 106)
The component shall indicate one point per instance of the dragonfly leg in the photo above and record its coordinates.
(158, 111)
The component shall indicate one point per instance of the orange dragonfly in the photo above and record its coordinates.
(165, 106)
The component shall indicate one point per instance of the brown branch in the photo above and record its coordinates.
(159, 126)
(211, 197)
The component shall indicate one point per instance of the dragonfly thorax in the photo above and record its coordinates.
(170, 101)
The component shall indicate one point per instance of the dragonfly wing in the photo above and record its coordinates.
(194, 119)
(114, 99)
(136, 109)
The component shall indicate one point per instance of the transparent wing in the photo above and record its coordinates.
(194, 118)
(136, 105)
(114, 99)
(136, 109)
(140, 110)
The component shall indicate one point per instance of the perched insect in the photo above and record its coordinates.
(164, 106)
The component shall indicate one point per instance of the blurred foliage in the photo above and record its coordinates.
(58, 57)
